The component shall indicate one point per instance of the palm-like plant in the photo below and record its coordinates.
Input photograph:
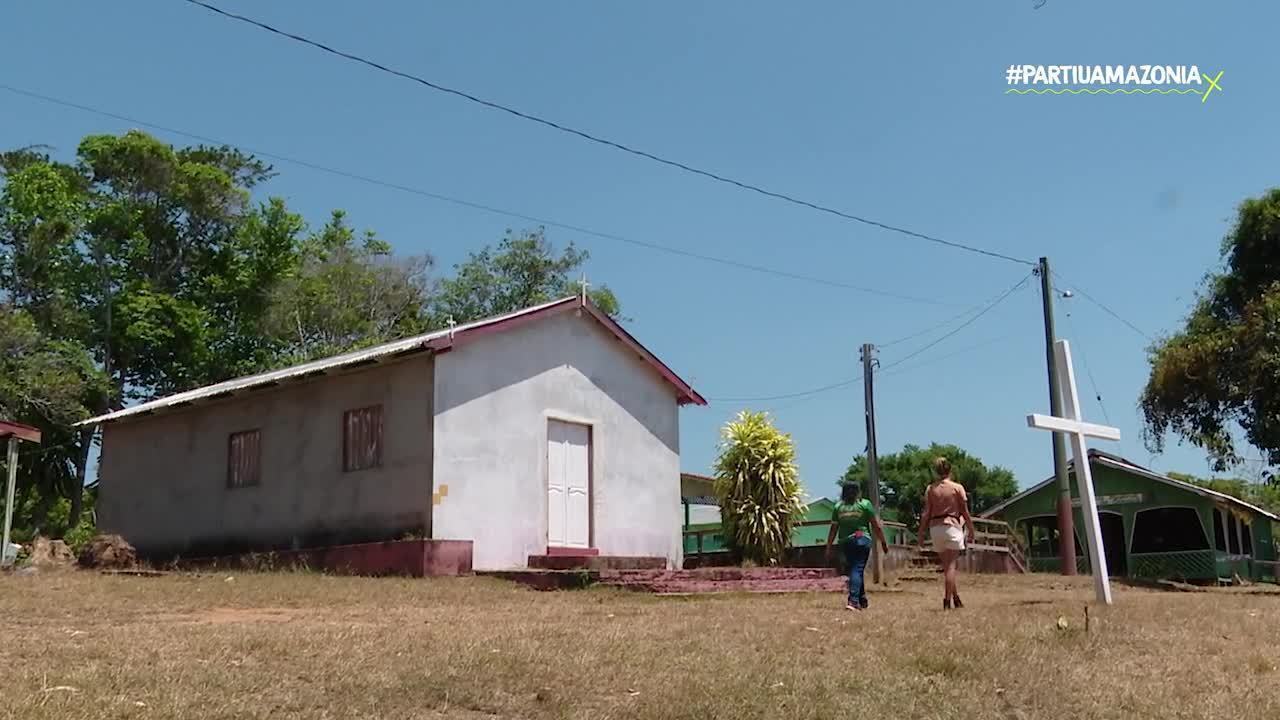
(758, 487)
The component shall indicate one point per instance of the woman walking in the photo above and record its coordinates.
(946, 515)
(851, 521)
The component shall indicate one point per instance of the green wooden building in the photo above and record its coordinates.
(1153, 527)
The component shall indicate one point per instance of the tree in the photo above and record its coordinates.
(524, 270)
(152, 259)
(758, 487)
(906, 474)
(347, 292)
(51, 385)
(1265, 495)
(1222, 369)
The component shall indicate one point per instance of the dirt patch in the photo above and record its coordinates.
(109, 552)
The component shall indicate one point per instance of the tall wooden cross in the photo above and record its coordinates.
(1071, 424)
(584, 285)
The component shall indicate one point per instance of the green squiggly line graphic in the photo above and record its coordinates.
(1102, 91)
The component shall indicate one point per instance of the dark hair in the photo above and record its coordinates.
(850, 492)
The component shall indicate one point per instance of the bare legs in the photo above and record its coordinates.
(951, 595)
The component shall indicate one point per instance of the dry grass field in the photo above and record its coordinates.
(83, 645)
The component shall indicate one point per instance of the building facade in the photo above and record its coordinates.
(1153, 526)
(550, 430)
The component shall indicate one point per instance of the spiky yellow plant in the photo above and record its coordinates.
(758, 487)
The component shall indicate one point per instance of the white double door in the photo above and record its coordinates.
(568, 485)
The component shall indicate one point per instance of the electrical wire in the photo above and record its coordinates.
(1020, 284)
(729, 262)
(788, 396)
(604, 141)
(1076, 289)
(844, 383)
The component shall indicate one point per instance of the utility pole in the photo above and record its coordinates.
(1066, 518)
(873, 466)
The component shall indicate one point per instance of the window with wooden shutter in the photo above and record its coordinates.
(244, 459)
(362, 439)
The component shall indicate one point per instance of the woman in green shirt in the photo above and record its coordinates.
(851, 521)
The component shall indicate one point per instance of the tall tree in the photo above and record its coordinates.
(906, 474)
(523, 270)
(153, 259)
(1222, 369)
(348, 291)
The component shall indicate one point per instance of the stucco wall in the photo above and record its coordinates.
(493, 400)
(164, 477)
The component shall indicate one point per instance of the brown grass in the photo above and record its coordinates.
(294, 645)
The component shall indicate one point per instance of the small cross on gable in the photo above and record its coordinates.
(1077, 430)
(584, 285)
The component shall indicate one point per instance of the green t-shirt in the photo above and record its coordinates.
(850, 518)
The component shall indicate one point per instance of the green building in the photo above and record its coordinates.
(812, 531)
(1153, 527)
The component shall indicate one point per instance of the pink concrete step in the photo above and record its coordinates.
(562, 561)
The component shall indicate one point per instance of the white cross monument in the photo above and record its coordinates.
(1071, 424)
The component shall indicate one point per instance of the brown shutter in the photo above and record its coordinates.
(362, 439)
(244, 459)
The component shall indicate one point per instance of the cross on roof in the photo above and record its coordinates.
(584, 285)
(1077, 429)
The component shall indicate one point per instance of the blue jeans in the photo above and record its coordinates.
(857, 549)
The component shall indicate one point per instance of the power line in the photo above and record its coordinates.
(967, 349)
(480, 206)
(1076, 289)
(963, 325)
(844, 383)
(604, 141)
(788, 396)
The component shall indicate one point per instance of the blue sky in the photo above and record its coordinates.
(893, 111)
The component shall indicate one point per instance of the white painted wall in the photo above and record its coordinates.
(493, 398)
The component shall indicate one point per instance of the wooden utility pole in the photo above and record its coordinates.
(1066, 517)
(873, 463)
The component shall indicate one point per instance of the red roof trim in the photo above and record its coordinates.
(20, 431)
(686, 394)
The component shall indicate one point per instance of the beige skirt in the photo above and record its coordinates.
(947, 537)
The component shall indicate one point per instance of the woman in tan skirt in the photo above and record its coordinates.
(946, 516)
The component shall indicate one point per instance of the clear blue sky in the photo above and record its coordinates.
(894, 111)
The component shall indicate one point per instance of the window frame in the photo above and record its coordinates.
(358, 463)
(235, 462)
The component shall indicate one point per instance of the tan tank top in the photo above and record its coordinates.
(947, 500)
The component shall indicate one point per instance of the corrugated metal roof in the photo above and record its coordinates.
(1120, 463)
(433, 341)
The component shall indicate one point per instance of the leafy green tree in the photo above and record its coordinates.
(1265, 495)
(1222, 369)
(49, 384)
(152, 259)
(348, 291)
(758, 487)
(524, 270)
(906, 474)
